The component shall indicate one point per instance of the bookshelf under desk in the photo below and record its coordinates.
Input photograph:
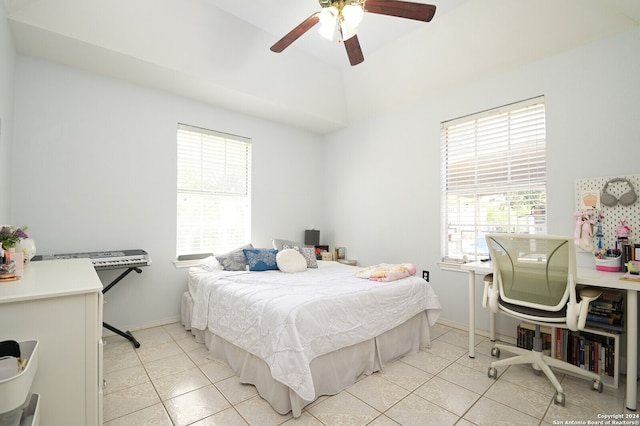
(586, 276)
(593, 349)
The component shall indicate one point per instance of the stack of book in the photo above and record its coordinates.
(629, 251)
(606, 313)
(525, 333)
(592, 352)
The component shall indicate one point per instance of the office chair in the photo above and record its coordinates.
(534, 280)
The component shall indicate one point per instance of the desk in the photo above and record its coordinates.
(586, 276)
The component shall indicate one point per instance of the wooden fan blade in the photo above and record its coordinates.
(295, 33)
(401, 9)
(354, 52)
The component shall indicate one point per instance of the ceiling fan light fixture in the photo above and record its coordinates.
(329, 13)
(346, 15)
(328, 19)
(327, 31)
(353, 14)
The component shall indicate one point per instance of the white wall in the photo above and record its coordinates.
(7, 63)
(97, 168)
(383, 176)
(97, 171)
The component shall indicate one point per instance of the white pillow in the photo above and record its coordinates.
(290, 260)
(210, 264)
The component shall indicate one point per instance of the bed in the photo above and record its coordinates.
(297, 336)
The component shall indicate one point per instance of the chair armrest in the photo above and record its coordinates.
(488, 281)
(490, 294)
(587, 295)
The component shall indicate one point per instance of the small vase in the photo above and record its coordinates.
(18, 258)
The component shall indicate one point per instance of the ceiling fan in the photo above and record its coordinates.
(345, 15)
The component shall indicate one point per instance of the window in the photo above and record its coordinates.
(493, 177)
(214, 191)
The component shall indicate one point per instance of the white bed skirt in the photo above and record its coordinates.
(332, 372)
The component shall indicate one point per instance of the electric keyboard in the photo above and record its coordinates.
(130, 260)
(118, 259)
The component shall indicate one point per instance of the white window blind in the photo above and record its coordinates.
(214, 191)
(493, 177)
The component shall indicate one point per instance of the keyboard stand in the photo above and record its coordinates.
(126, 334)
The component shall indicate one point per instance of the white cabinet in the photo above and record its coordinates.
(59, 304)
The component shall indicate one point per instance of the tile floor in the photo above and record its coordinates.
(169, 380)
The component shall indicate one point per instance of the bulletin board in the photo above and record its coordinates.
(588, 192)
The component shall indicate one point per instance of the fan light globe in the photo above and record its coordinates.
(353, 14)
(347, 30)
(327, 31)
(328, 17)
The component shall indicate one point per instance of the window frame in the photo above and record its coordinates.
(213, 177)
(492, 158)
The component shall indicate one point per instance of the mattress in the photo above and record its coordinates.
(289, 320)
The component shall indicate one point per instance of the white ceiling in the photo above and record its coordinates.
(217, 51)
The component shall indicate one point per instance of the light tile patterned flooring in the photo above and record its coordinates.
(170, 380)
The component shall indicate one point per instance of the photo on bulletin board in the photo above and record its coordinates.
(589, 200)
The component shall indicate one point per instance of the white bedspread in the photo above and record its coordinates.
(289, 319)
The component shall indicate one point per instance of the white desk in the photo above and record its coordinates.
(586, 276)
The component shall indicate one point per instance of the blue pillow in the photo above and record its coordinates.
(261, 259)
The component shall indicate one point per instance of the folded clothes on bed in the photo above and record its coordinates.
(387, 272)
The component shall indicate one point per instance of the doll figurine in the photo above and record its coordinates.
(623, 230)
(583, 230)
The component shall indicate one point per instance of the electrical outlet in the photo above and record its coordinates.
(425, 275)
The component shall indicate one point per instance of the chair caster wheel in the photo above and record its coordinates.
(597, 385)
(495, 352)
(558, 398)
(492, 373)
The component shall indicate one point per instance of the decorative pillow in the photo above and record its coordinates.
(277, 244)
(261, 259)
(309, 254)
(290, 260)
(234, 260)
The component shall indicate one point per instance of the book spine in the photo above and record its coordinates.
(604, 319)
(627, 254)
